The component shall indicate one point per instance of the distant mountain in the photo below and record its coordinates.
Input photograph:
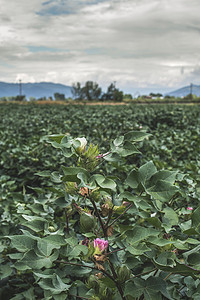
(184, 91)
(37, 90)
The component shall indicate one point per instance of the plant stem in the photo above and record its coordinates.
(117, 284)
(99, 217)
(114, 278)
(115, 251)
(120, 215)
(147, 272)
(85, 266)
(168, 276)
(67, 220)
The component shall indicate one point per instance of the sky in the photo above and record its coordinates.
(138, 44)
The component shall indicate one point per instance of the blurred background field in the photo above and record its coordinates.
(174, 143)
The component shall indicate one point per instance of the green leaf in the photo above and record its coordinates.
(108, 282)
(154, 221)
(178, 268)
(162, 191)
(22, 243)
(55, 138)
(193, 255)
(67, 152)
(29, 294)
(139, 234)
(196, 220)
(86, 181)
(159, 241)
(35, 261)
(127, 149)
(56, 177)
(146, 172)
(138, 249)
(35, 223)
(55, 240)
(77, 250)
(151, 288)
(169, 176)
(170, 217)
(70, 173)
(44, 173)
(136, 136)
(55, 285)
(44, 247)
(133, 179)
(104, 182)
(194, 259)
(5, 271)
(137, 286)
(59, 285)
(118, 141)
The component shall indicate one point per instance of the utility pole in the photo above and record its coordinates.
(191, 90)
(20, 87)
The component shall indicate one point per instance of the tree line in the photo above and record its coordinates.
(92, 91)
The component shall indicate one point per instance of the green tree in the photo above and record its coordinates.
(157, 95)
(20, 98)
(128, 97)
(113, 93)
(59, 96)
(77, 91)
(91, 91)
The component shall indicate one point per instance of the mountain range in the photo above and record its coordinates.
(48, 89)
(36, 90)
(184, 91)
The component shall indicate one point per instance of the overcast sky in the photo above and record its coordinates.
(152, 44)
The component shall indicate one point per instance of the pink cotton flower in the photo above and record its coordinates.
(100, 245)
(189, 208)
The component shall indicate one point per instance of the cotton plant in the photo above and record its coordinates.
(89, 239)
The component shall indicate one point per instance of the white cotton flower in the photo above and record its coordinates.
(83, 142)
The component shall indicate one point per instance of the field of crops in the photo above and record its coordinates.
(49, 180)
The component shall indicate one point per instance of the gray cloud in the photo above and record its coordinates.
(136, 43)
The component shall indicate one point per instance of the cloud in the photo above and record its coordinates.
(152, 43)
(65, 7)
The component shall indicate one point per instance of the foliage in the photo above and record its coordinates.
(113, 93)
(135, 199)
(59, 96)
(91, 91)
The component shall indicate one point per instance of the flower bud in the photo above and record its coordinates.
(71, 187)
(100, 245)
(105, 209)
(82, 147)
(51, 229)
(190, 208)
(95, 194)
(87, 222)
(123, 273)
(119, 209)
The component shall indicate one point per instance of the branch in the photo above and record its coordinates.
(120, 216)
(116, 283)
(147, 272)
(115, 251)
(67, 220)
(99, 217)
(85, 266)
